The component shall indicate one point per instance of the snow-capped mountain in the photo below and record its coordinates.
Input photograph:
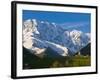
(39, 35)
(75, 40)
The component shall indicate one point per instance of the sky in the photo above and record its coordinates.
(70, 19)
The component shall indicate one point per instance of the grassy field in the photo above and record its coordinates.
(33, 62)
(74, 61)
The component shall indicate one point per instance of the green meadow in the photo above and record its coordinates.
(31, 61)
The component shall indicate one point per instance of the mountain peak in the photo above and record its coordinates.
(34, 22)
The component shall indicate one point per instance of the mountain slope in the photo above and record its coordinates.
(86, 50)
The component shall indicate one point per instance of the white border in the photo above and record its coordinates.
(35, 72)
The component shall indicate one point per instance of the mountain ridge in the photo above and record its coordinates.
(44, 34)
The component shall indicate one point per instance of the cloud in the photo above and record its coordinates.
(70, 25)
